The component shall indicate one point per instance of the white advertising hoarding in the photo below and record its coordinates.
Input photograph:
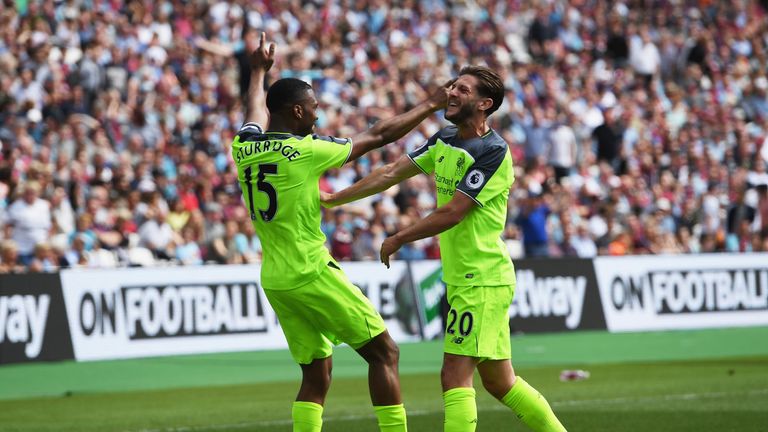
(391, 292)
(641, 293)
(124, 313)
(163, 311)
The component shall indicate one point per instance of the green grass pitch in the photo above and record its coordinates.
(705, 380)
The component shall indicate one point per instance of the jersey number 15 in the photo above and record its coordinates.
(264, 186)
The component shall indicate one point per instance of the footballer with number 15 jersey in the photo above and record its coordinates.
(279, 175)
(279, 162)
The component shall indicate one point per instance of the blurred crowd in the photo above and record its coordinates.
(636, 127)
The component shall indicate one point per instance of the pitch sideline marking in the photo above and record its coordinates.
(417, 413)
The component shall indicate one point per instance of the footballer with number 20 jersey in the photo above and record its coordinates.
(480, 168)
(279, 175)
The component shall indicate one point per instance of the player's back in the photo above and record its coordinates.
(278, 174)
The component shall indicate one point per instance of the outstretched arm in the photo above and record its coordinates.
(214, 47)
(442, 219)
(392, 129)
(261, 60)
(379, 180)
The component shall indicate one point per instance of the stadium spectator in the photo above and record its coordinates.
(157, 235)
(132, 98)
(533, 223)
(582, 244)
(76, 255)
(29, 220)
(564, 147)
(227, 249)
(45, 259)
(608, 139)
(188, 251)
(9, 258)
(84, 228)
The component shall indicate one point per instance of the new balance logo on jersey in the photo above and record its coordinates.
(440, 159)
(457, 340)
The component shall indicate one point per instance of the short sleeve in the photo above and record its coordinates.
(248, 130)
(489, 176)
(423, 157)
(329, 152)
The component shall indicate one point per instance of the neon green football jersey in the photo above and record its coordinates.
(472, 252)
(279, 175)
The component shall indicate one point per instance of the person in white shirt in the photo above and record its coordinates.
(562, 152)
(156, 235)
(582, 242)
(29, 217)
(644, 56)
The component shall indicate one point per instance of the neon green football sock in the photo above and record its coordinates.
(391, 418)
(531, 407)
(307, 416)
(460, 410)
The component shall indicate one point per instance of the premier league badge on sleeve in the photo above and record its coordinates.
(475, 178)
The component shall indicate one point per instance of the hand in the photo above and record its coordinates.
(326, 199)
(439, 97)
(264, 56)
(390, 246)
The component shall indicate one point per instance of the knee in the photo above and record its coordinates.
(446, 379)
(498, 388)
(383, 352)
(319, 378)
(452, 378)
(321, 382)
(389, 354)
(327, 376)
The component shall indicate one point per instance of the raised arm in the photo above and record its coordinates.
(379, 180)
(261, 61)
(394, 128)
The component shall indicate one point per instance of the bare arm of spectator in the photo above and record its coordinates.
(379, 180)
(440, 220)
(394, 128)
(261, 61)
(217, 48)
(8, 225)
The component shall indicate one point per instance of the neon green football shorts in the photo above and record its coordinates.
(478, 321)
(323, 313)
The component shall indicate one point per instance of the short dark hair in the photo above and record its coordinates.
(286, 92)
(490, 85)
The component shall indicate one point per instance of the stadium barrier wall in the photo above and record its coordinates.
(648, 293)
(33, 321)
(96, 314)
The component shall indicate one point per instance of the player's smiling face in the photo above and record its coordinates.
(463, 100)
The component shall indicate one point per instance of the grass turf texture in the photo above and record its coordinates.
(709, 380)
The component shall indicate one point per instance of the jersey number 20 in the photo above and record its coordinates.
(262, 185)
